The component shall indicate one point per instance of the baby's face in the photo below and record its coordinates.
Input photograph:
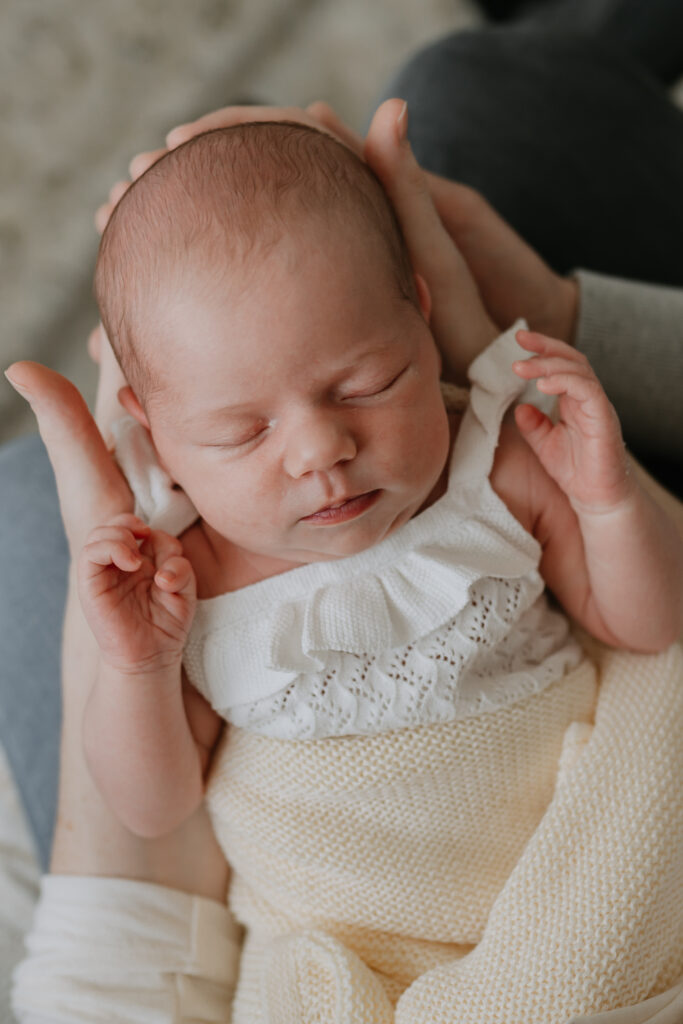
(301, 410)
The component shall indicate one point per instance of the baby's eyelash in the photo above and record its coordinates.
(228, 445)
(379, 390)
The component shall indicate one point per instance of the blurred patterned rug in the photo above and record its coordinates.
(84, 86)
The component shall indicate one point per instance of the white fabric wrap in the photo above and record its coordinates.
(157, 500)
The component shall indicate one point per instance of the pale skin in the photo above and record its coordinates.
(89, 837)
(315, 385)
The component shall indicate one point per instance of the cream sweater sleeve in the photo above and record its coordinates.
(633, 335)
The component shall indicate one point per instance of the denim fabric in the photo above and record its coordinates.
(33, 571)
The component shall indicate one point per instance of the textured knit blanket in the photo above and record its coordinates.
(517, 867)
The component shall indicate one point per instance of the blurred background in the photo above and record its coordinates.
(85, 85)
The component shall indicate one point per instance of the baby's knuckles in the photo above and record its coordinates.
(139, 630)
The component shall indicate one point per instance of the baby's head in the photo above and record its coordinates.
(259, 297)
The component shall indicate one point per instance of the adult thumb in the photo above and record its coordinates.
(90, 486)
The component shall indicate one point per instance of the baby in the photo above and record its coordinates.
(407, 792)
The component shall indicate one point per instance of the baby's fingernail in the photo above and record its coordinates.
(167, 575)
(402, 123)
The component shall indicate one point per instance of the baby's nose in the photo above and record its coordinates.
(317, 442)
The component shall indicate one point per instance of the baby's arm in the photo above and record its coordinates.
(611, 556)
(147, 733)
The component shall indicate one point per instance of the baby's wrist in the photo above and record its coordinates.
(622, 500)
(156, 675)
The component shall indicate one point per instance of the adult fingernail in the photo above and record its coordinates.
(402, 123)
(24, 391)
(174, 137)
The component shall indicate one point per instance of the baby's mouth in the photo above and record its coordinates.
(341, 511)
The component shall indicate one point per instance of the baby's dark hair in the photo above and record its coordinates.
(217, 199)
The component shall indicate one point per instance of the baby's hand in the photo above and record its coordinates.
(139, 601)
(584, 451)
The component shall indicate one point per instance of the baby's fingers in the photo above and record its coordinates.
(160, 546)
(533, 424)
(110, 551)
(542, 344)
(549, 366)
(115, 543)
(575, 385)
(176, 576)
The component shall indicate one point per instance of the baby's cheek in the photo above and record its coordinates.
(430, 441)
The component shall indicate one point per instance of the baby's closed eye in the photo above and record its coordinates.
(368, 390)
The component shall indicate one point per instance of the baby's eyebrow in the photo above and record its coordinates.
(209, 416)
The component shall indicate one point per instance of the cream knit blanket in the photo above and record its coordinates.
(518, 867)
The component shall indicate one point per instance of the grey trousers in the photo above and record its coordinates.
(575, 143)
(560, 132)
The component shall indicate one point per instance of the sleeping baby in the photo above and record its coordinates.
(436, 805)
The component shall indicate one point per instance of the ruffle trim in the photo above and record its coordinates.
(234, 662)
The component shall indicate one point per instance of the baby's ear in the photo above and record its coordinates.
(423, 296)
(131, 404)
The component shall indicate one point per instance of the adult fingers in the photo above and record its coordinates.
(459, 322)
(104, 212)
(102, 215)
(228, 116)
(390, 156)
(143, 161)
(325, 117)
(94, 343)
(91, 487)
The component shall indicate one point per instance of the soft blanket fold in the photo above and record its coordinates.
(526, 865)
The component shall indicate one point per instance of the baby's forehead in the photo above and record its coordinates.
(236, 353)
